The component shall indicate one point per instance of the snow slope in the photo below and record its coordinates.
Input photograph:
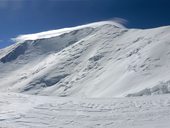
(73, 75)
(102, 59)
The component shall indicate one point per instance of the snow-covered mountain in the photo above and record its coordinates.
(102, 59)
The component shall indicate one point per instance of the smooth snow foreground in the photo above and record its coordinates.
(26, 111)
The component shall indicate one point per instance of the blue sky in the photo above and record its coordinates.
(30, 16)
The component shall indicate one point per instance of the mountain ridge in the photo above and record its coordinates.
(103, 60)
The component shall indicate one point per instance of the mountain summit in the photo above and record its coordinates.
(102, 59)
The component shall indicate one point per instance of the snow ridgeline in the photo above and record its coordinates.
(100, 60)
(58, 32)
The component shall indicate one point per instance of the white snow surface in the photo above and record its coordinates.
(95, 61)
(26, 111)
(79, 78)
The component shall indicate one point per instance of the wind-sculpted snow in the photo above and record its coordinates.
(161, 88)
(15, 53)
(54, 33)
(79, 70)
(44, 82)
(26, 111)
(96, 60)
